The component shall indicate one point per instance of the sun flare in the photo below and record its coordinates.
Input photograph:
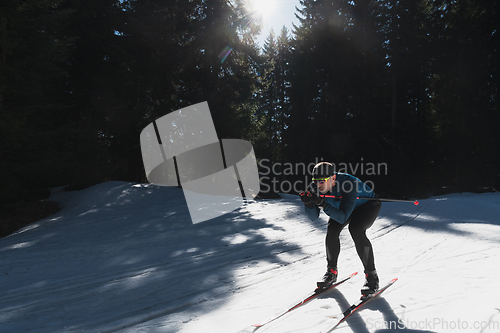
(262, 8)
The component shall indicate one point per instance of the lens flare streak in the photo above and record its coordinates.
(225, 53)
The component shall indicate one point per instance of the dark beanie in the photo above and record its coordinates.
(323, 170)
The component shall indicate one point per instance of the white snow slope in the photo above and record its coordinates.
(122, 257)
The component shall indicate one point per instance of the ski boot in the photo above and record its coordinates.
(328, 279)
(371, 283)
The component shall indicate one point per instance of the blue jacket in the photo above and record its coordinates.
(350, 188)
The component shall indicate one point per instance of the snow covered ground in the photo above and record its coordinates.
(123, 257)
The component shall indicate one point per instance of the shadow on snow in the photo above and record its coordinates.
(119, 254)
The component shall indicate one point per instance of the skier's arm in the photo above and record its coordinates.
(312, 213)
(347, 204)
(312, 210)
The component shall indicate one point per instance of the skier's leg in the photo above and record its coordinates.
(361, 219)
(333, 243)
(332, 253)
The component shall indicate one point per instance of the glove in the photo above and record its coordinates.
(311, 198)
(318, 200)
(306, 198)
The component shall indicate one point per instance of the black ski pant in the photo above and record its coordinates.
(360, 220)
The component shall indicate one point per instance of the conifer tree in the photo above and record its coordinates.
(33, 50)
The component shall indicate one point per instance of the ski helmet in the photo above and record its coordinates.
(323, 170)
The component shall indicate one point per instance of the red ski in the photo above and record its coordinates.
(315, 294)
(363, 300)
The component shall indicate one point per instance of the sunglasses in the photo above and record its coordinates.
(319, 181)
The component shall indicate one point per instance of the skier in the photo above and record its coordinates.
(358, 213)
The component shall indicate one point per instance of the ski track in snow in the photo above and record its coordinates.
(123, 257)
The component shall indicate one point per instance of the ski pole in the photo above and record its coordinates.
(373, 198)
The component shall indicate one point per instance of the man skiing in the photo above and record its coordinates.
(358, 213)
